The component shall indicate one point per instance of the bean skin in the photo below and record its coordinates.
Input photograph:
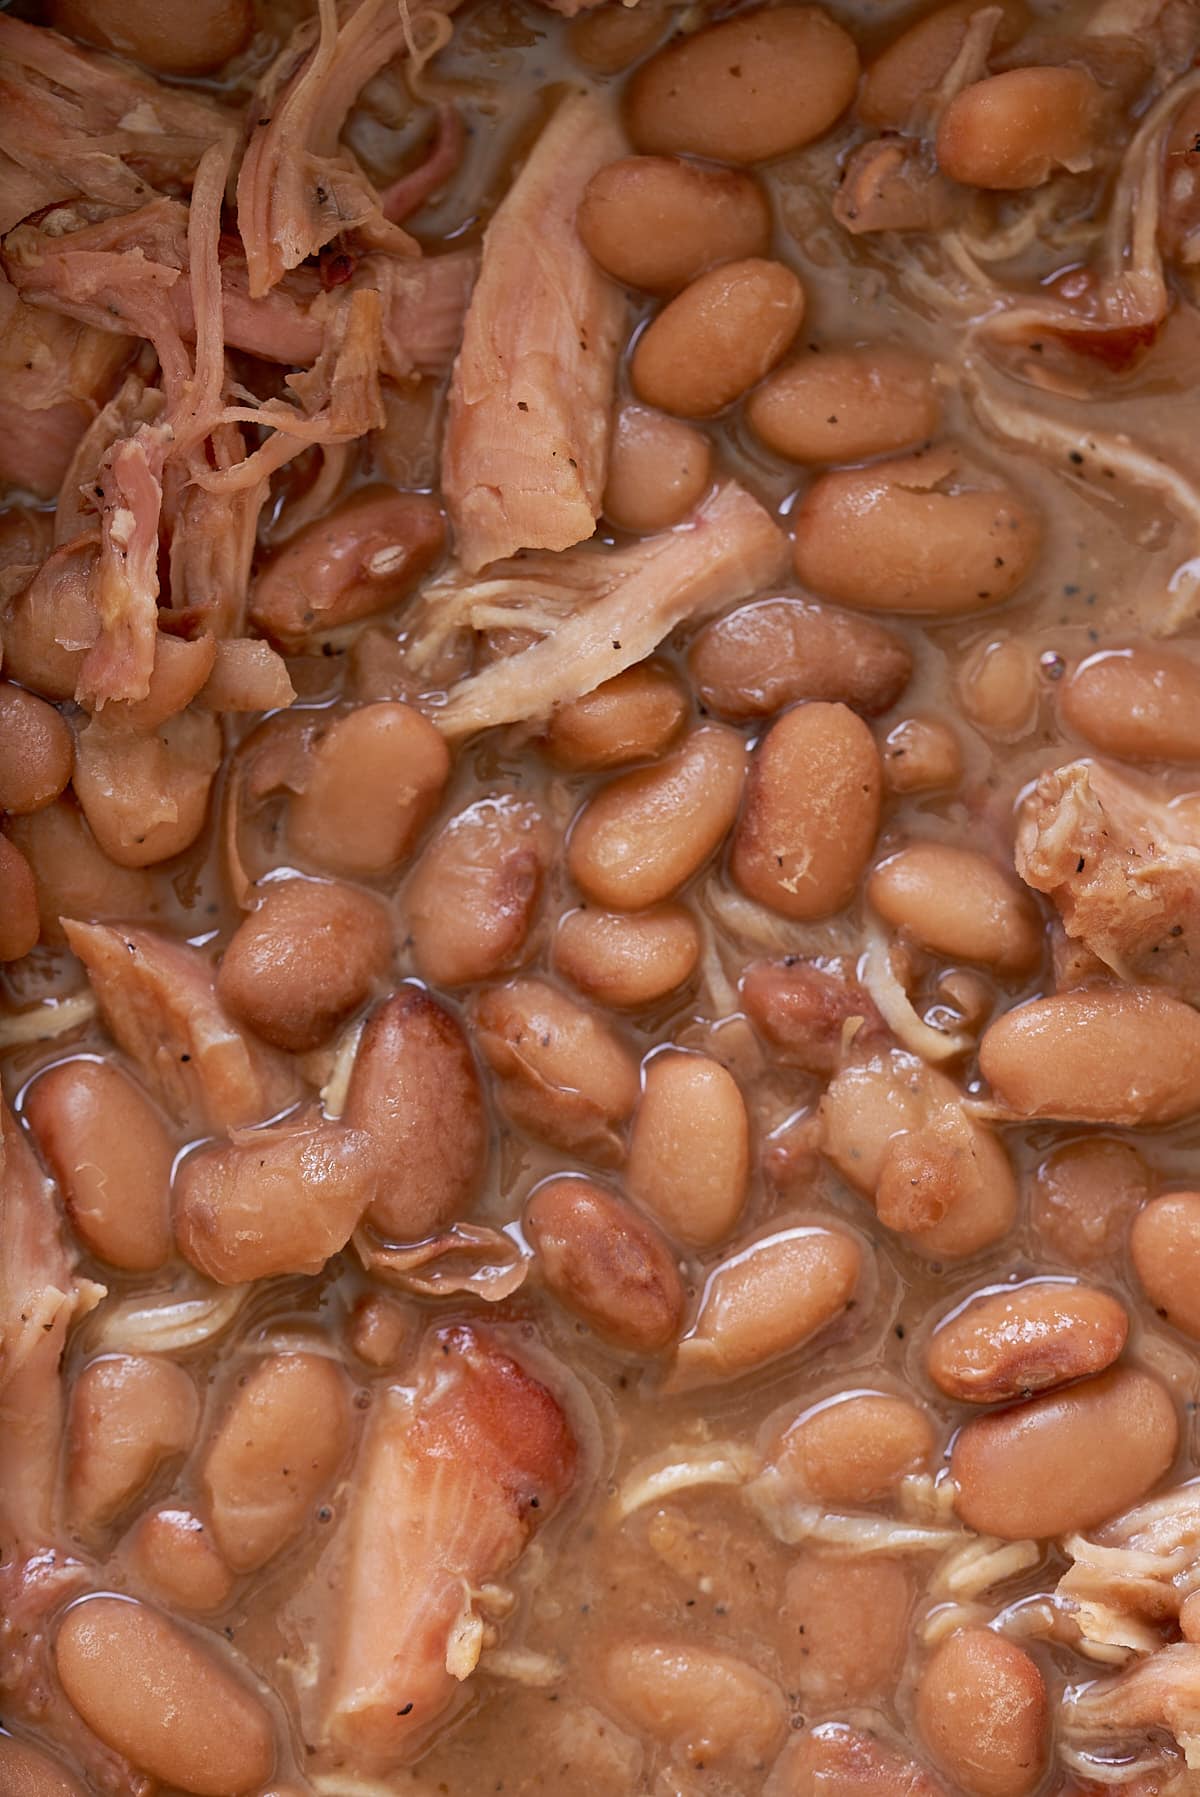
(1141, 704)
(659, 469)
(1025, 1339)
(845, 405)
(958, 903)
(656, 222)
(632, 717)
(36, 750)
(1084, 1197)
(908, 71)
(764, 656)
(375, 780)
(708, 1706)
(19, 923)
(983, 1711)
(128, 1413)
(27, 1772)
(606, 1263)
(717, 338)
(628, 959)
(1014, 130)
(854, 1450)
(1165, 1246)
(475, 891)
(1066, 1461)
(689, 1152)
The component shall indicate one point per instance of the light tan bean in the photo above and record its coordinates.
(645, 833)
(56, 609)
(1165, 1246)
(128, 1413)
(173, 1555)
(304, 960)
(657, 222)
(72, 875)
(1125, 1055)
(382, 1330)
(983, 1711)
(1084, 1196)
(1067, 1460)
(36, 750)
(277, 1447)
(181, 670)
(921, 754)
(25, 1771)
(836, 1760)
(844, 405)
(853, 1450)
(155, 1693)
(958, 903)
(107, 1147)
(718, 337)
(708, 1707)
(19, 923)
(854, 1616)
(1024, 1339)
(608, 41)
(180, 37)
(910, 69)
(770, 653)
(1014, 130)
(811, 813)
(658, 470)
(745, 90)
(475, 891)
(893, 538)
(1141, 704)
(246, 676)
(278, 1200)
(767, 1299)
(414, 1091)
(997, 688)
(146, 797)
(628, 959)
(375, 780)
(606, 1263)
(689, 1153)
(632, 717)
(561, 1073)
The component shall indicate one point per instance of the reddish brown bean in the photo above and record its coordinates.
(1084, 1196)
(606, 1263)
(1024, 1339)
(632, 717)
(628, 959)
(854, 1620)
(852, 1450)
(173, 1555)
(845, 405)
(835, 1760)
(1015, 130)
(25, 1771)
(689, 1152)
(474, 893)
(19, 924)
(709, 1707)
(717, 338)
(770, 653)
(1165, 1246)
(374, 781)
(983, 1711)
(1142, 704)
(959, 904)
(72, 875)
(36, 750)
(906, 74)
(180, 37)
(658, 470)
(128, 1413)
(657, 222)
(921, 754)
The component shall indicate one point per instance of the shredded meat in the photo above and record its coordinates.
(1159, 1692)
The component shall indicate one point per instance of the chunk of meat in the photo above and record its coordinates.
(526, 449)
(159, 1001)
(454, 1476)
(1123, 867)
(124, 581)
(803, 1009)
(1161, 1691)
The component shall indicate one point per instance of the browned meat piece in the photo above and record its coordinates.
(893, 184)
(803, 1009)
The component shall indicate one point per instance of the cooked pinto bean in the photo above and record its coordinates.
(1068, 1460)
(374, 782)
(19, 923)
(1016, 129)
(109, 1151)
(146, 797)
(46, 621)
(606, 1263)
(921, 754)
(983, 1711)
(907, 73)
(414, 1091)
(802, 1009)
(657, 222)
(1165, 1246)
(72, 875)
(914, 536)
(304, 960)
(278, 1445)
(27, 1772)
(563, 1075)
(383, 1331)
(835, 1760)
(708, 1707)
(128, 1413)
(958, 903)
(1011, 1343)
(152, 1692)
(854, 1616)
(718, 337)
(36, 750)
(645, 833)
(180, 37)
(998, 688)
(1127, 1055)
(628, 959)
(475, 890)
(1141, 704)
(632, 717)
(767, 1299)
(766, 655)
(173, 1554)
(811, 814)
(745, 90)
(844, 405)
(608, 41)
(658, 470)
(854, 1449)
(689, 1152)
(362, 557)
(1084, 1197)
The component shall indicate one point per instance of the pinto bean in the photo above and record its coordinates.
(36, 750)
(628, 959)
(845, 405)
(48, 618)
(632, 717)
(768, 654)
(853, 1449)
(72, 875)
(767, 1299)
(362, 557)
(414, 1091)
(802, 1010)
(246, 676)
(657, 222)
(304, 960)
(171, 1553)
(375, 780)
(180, 672)
(855, 1618)
(606, 1263)
(921, 754)
(474, 892)
(645, 833)
(983, 1711)
(1165, 1246)
(915, 535)
(718, 337)
(998, 688)
(908, 72)
(658, 470)
(958, 903)
(277, 1447)
(1084, 1197)
(110, 1152)
(1014, 130)
(1141, 704)
(128, 1413)
(562, 1074)
(146, 796)
(154, 1693)
(745, 90)
(19, 923)
(1113, 1054)
(25, 1771)
(180, 37)
(608, 41)
(1023, 1339)
(1068, 1460)
(836, 1760)
(811, 813)
(383, 1331)
(689, 1153)
(708, 1707)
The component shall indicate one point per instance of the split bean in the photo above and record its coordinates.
(36, 750)
(983, 1711)
(146, 796)
(998, 688)
(606, 1263)
(845, 405)
(1165, 1245)
(128, 1413)
(474, 893)
(628, 959)
(657, 222)
(180, 37)
(46, 622)
(802, 1009)
(1024, 1339)
(854, 1449)
(659, 469)
(709, 1707)
(173, 1554)
(1085, 1195)
(1141, 704)
(768, 654)
(632, 717)
(689, 1151)
(19, 923)
(374, 781)
(1014, 130)
(718, 337)
(958, 903)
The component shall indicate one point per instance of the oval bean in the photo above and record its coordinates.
(745, 90)
(180, 37)
(836, 1760)
(606, 1263)
(20, 926)
(608, 41)
(768, 654)
(1084, 1197)
(474, 893)
(855, 1617)
(657, 222)
(1141, 704)
(689, 1151)
(48, 618)
(374, 781)
(1165, 1246)
(72, 875)
(36, 750)
(958, 903)
(171, 1553)
(127, 1414)
(718, 337)
(658, 470)
(853, 1449)
(645, 833)
(25, 1771)
(921, 754)
(1067, 1460)
(1028, 1338)
(983, 1711)
(1014, 130)
(844, 405)
(802, 1009)
(811, 812)
(709, 1707)
(632, 717)
(628, 959)
(110, 1152)
(154, 1693)
(906, 74)
(998, 688)
(1125, 1055)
